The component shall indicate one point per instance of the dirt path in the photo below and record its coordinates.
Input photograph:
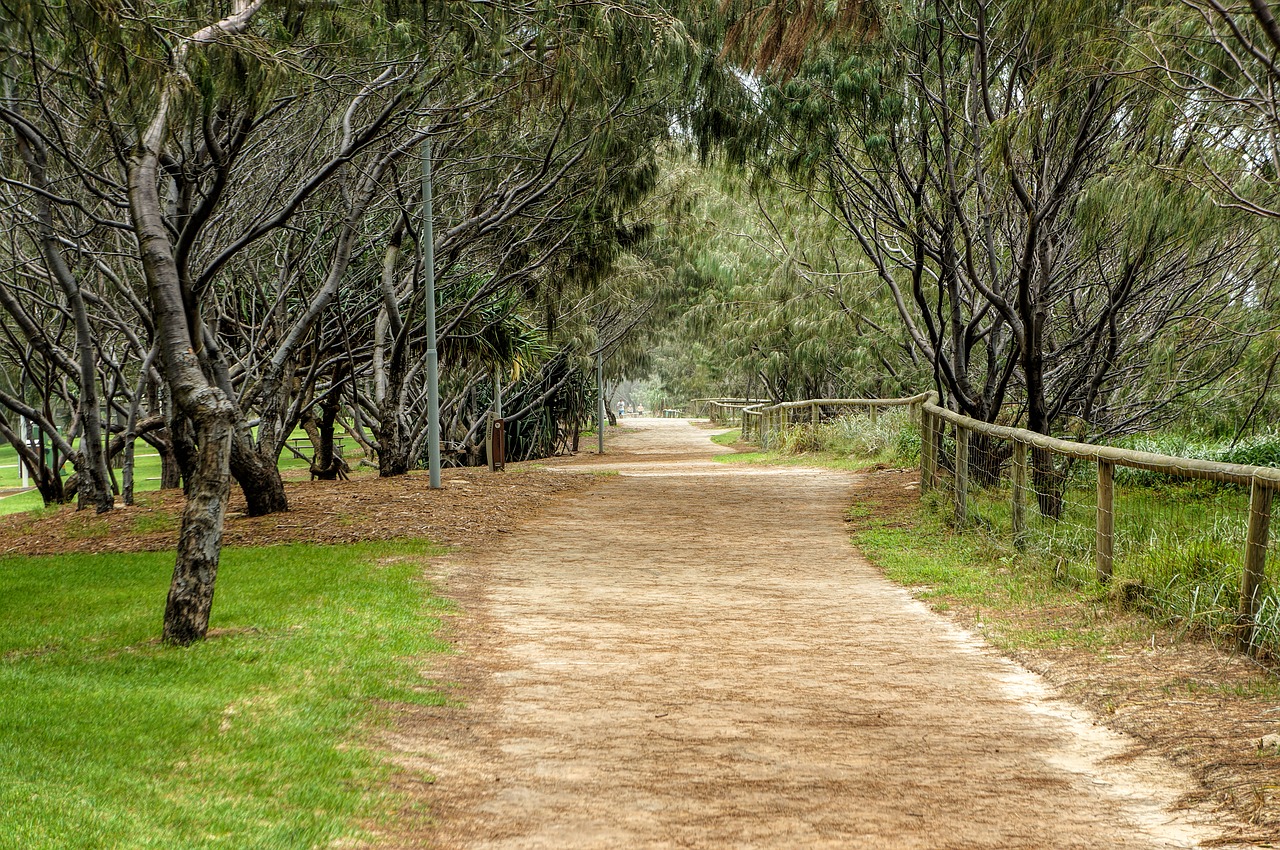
(691, 654)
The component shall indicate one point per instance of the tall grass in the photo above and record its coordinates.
(890, 438)
(1179, 549)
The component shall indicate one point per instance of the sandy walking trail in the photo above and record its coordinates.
(692, 654)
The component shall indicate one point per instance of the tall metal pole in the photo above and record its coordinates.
(600, 414)
(433, 363)
(497, 392)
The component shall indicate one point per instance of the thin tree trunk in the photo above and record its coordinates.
(210, 412)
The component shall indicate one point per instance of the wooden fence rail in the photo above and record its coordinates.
(763, 422)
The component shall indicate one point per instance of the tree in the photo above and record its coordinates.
(1000, 165)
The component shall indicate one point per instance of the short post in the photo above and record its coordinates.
(1255, 562)
(962, 477)
(1019, 494)
(815, 413)
(873, 410)
(938, 426)
(488, 440)
(1106, 520)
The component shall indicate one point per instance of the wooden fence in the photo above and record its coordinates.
(723, 411)
(951, 444)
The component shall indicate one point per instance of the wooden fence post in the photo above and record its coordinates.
(1019, 494)
(815, 413)
(928, 452)
(1255, 562)
(873, 410)
(1106, 520)
(939, 428)
(962, 477)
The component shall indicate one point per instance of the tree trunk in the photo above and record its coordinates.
(195, 399)
(183, 445)
(327, 466)
(170, 469)
(186, 613)
(259, 479)
(94, 478)
(393, 444)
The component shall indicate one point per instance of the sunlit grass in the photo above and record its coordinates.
(1016, 603)
(250, 739)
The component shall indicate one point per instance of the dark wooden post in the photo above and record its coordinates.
(1255, 561)
(1106, 520)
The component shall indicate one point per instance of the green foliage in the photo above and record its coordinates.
(1179, 547)
(250, 739)
(1261, 449)
(776, 303)
(890, 438)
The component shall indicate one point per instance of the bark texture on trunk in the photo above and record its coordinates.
(198, 403)
(259, 480)
(393, 445)
(186, 613)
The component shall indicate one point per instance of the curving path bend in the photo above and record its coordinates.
(692, 655)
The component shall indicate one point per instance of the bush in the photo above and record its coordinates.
(891, 438)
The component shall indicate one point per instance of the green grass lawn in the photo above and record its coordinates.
(1017, 603)
(249, 739)
(146, 476)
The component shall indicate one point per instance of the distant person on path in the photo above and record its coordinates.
(622, 409)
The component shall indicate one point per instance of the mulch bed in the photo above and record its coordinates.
(1178, 694)
(472, 506)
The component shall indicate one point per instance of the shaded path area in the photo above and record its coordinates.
(691, 654)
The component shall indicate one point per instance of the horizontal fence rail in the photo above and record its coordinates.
(763, 421)
(1061, 495)
(723, 411)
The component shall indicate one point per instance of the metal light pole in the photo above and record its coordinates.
(600, 414)
(433, 363)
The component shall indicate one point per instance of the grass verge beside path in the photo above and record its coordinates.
(747, 453)
(249, 739)
(1203, 709)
